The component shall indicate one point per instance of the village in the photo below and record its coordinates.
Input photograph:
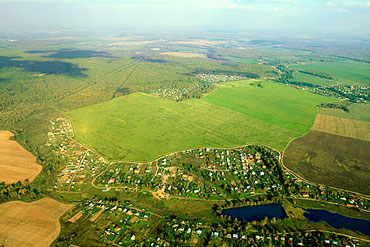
(82, 165)
(121, 224)
(213, 78)
(203, 173)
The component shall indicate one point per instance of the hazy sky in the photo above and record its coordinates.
(310, 15)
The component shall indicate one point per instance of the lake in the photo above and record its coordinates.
(257, 213)
(338, 221)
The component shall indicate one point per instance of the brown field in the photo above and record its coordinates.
(75, 217)
(183, 54)
(30, 224)
(333, 160)
(16, 164)
(342, 126)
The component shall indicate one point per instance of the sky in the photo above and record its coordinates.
(337, 16)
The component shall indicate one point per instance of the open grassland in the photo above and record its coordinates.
(344, 71)
(332, 160)
(16, 164)
(281, 106)
(140, 127)
(359, 112)
(314, 80)
(342, 126)
(30, 224)
(183, 54)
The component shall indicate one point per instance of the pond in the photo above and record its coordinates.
(338, 221)
(257, 213)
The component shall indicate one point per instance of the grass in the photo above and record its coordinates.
(342, 126)
(346, 72)
(278, 105)
(140, 127)
(314, 80)
(359, 112)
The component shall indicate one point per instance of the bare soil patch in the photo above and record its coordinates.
(342, 126)
(183, 54)
(16, 164)
(332, 160)
(97, 215)
(75, 217)
(30, 224)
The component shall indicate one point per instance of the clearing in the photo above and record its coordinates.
(30, 224)
(141, 127)
(16, 164)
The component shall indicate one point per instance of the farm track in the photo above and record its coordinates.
(128, 77)
(97, 81)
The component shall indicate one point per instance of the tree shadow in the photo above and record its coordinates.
(71, 53)
(44, 67)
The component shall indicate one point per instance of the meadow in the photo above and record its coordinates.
(141, 127)
(344, 71)
(314, 80)
(360, 112)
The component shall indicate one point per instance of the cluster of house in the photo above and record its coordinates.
(279, 239)
(173, 94)
(303, 189)
(179, 231)
(356, 94)
(204, 173)
(197, 173)
(212, 78)
(135, 176)
(82, 165)
(192, 233)
(129, 225)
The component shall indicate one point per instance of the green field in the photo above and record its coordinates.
(359, 112)
(314, 80)
(346, 72)
(140, 127)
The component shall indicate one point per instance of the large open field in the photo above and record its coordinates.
(140, 127)
(332, 160)
(344, 71)
(342, 126)
(359, 112)
(314, 80)
(16, 164)
(336, 151)
(30, 224)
